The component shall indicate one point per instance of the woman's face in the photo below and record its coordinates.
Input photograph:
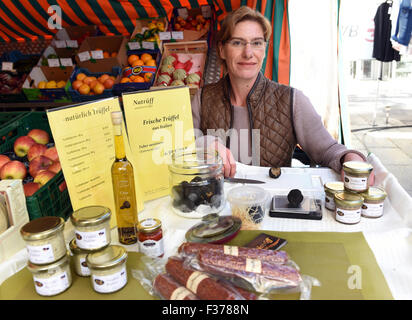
(244, 62)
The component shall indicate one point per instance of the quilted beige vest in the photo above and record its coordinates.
(270, 107)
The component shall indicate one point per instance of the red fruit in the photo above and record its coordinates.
(36, 150)
(22, 145)
(52, 154)
(38, 164)
(40, 136)
(30, 188)
(3, 160)
(13, 170)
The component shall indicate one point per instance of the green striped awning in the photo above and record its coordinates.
(29, 20)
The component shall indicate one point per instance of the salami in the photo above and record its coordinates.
(261, 275)
(280, 257)
(199, 283)
(169, 289)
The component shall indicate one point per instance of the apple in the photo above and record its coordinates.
(43, 177)
(13, 170)
(63, 186)
(30, 188)
(38, 164)
(98, 88)
(40, 136)
(55, 167)
(3, 160)
(22, 145)
(52, 154)
(36, 150)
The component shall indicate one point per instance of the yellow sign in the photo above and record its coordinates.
(158, 123)
(83, 135)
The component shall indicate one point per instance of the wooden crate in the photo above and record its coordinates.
(190, 47)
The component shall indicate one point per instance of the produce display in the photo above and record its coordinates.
(149, 33)
(197, 23)
(91, 85)
(34, 159)
(141, 68)
(52, 84)
(180, 69)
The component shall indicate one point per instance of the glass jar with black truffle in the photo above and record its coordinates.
(196, 181)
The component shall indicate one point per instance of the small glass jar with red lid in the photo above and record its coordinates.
(151, 238)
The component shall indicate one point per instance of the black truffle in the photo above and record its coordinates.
(295, 198)
(274, 172)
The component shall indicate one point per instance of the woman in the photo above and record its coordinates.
(249, 118)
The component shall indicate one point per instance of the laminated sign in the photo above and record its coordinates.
(159, 122)
(83, 135)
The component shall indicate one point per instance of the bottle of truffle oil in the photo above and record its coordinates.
(123, 187)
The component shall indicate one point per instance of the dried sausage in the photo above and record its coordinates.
(169, 289)
(261, 275)
(273, 256)
(199, 283)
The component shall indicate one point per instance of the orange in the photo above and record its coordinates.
(125, 80)
(145, 57)
(151, 63)
(132, 58)
(137, 62)
(148, 76)
(114, 54)
(138, 79)
(106, 55)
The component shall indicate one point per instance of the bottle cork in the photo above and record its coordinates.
(117, 117)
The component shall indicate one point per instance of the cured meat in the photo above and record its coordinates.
(199, 283)
(280, 257)
(169, 289)
(263, 276)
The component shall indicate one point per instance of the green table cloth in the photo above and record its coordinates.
(342, 262)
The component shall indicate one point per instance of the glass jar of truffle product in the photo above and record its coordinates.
(348, 207)
(196, 181)
(44, 239)
(151, 238)
(373, 202)
(79, 259)
(108, 269)
(356, 175)
(92, 227)
(330, 189)
(51, 279)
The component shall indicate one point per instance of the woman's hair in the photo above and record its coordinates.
(233, 18)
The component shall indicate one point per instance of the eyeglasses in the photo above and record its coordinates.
(257, 44)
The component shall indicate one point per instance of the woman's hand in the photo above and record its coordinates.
(356, 157)
(229, 163)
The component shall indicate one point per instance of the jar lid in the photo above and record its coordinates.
(334, 186)
(42, 228)
(357, 167)
(214, 229)
(149, 225)
(111, 256)
(74, 248)
(90, 216)
(195, 163)
(45, 267)
(247, 195)
(348, 199)
(374, 193)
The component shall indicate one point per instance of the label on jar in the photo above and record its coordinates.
(92, 239)
(84, 269)
(231, 250)
(41, 254)
(330, 202)
(111, 282)
(373, 210)
(53, 285)
(348, 216)
(152, 248)
(355, 183)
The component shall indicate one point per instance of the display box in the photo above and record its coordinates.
(14, 215)
(52, 199)
(131, 72)
(193, 24)
(107, 93)
(67, 41)
(196, 51)
(39, 85)
(114, 46)
(52, 53)
(146, 34)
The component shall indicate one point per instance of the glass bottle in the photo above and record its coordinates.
(123, 187)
